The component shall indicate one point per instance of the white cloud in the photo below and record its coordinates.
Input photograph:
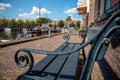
(70, 11)
(3, 6)
(34, 13)
(76, 19)
(20, 9)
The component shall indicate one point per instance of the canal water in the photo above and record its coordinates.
(9, 35)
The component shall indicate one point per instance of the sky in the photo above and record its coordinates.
(29, 9)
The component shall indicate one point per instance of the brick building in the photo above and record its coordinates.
(91, 12)
(103, 10)
(99, 13)
(83, 9)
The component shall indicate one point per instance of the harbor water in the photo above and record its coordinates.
(9, 35)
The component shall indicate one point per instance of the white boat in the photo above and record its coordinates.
(25, 31)
(4, 40)
(7, 29)
(23, 36)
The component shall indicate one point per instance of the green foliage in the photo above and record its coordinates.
(80, 30)
(78, 24)
(45, 20)
(50, 25)
(55, 26)
(68, 18)
(61, 23)
(39, 22)
(21, 23)
(4, 22)
(33, 23)
(72, 24)
(27, 23)
(13, 22)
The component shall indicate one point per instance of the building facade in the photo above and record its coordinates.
(83, 9)
(103, 10)
(99, 13)
(91, 12)
(96, 11)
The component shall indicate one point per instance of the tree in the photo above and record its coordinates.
(27, 23)
(72, 24)
(68, 18)
(46, 20)
(4, 22)
(13, 23)
(39, 22)
(50, 25)
(20, 22)
(33, 23)
(55, 26)
(78, 24)
(61, 23)
(43, 20)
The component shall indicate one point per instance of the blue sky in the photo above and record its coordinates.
(29, 9)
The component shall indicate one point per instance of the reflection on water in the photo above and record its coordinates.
(8, 35)
(11, 34)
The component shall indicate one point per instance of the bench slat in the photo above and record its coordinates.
(31, 78)
(41, 65)
(54, 68)
(68, 71)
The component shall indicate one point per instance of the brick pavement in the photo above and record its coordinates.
(8, 68)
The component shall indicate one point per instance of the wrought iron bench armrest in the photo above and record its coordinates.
(53, 52)
(29, 58)
(26, 59)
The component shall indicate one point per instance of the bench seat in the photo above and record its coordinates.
(54, 67)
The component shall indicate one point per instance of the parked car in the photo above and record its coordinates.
(45, 28)
(37, 29)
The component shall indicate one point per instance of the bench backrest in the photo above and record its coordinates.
(99, 44)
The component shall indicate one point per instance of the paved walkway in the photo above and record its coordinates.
(8, 68)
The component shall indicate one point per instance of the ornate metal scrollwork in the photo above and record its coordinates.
(106, 41)
(24, 58)
(66, 37)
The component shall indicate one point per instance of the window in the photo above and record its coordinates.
(108, 4)
(99, 4)
(102, 7)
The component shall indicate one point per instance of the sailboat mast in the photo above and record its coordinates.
(39, 10)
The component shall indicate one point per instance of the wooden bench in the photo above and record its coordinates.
(61, 63)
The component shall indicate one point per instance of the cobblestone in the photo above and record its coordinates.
(8, 68)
